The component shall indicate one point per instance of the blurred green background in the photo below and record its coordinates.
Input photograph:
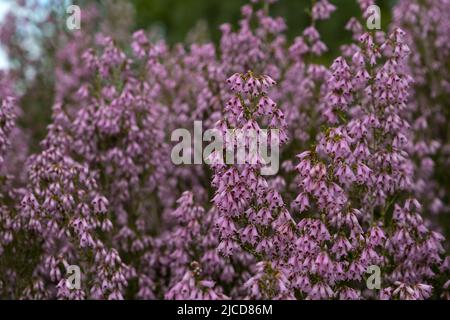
(174, 20)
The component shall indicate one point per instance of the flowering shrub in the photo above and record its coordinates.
(363, 145)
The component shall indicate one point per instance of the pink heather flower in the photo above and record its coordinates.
(322, 10)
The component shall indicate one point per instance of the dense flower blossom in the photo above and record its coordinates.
(7, 125)
(189, 249)
(253, 216)
(92, 186)
(62, 208)
(428, 25)
(354, 176)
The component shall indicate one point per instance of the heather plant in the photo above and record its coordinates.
(192, 256)
(89, 191)
(253, 215)
(427, 23)
(64, 218)
(7, 121)
(301, 87)
(9, 195)
(119, 134)
(358, 178)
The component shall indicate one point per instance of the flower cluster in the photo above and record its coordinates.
(253, 216)
(67, 217)
(362, 142)
(355, 176)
